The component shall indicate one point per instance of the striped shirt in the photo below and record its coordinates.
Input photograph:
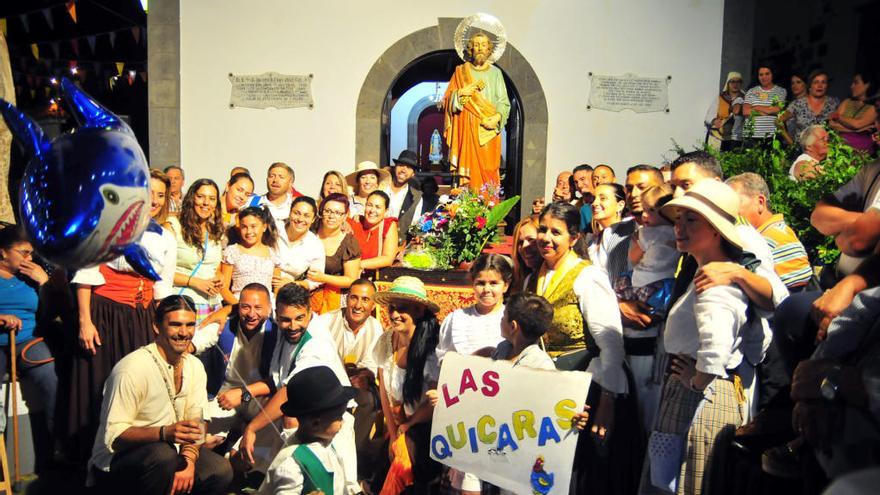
(789, 256)
(765, 125)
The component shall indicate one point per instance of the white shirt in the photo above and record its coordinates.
(279, 212)
(466, 331)
(393, 375)
(530, 357)
(598, 305)
(708, 327)
(162, 252)
(319, 350)
(284, 476)
(792, 171)
(353, 348)
(243, 367)
(136, 394)
(397, 199)
(660, 256)
(299, 256)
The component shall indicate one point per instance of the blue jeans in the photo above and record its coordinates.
(41, 376)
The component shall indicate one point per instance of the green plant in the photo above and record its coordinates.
(796, 200)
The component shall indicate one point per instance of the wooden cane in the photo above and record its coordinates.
(13, 382)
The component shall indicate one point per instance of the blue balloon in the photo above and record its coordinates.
(85, 196)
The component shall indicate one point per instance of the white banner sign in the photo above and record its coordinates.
(629, 91)
(271, 89)
(510, 426)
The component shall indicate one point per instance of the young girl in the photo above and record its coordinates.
(653, 254)
(478, 327)
(477, 330)
(250, 259)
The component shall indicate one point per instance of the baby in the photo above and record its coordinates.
(652, 254)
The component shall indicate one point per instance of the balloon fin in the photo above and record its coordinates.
(154, 227)
(137, 257)
(25, 129)
(88, 112)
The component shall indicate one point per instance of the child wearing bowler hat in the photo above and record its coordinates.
(308, 463)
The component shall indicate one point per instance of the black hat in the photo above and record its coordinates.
(313, 390)
(408, 158)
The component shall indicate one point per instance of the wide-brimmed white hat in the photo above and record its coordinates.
(406, 288)
(713, 200)
(367, 166)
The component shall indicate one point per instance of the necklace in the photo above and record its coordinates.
(168, 386)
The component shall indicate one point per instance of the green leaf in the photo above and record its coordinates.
(499, 211)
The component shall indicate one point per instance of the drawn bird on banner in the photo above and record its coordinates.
(542, 481)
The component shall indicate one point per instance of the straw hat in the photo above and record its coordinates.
(366, 166)
(406, 289)
(713, 200)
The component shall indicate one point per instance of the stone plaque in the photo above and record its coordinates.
(629, 92)
(271, 90)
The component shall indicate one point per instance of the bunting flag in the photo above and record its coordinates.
(35, 50)
(71, 9)
(131, 76)
(33, 94)
(47, 13)
(55, 49)
(72, 64)
(112, 83)
(24, 23)
(112, 36)
(47, 90)
(136, 33)
(74, 45)
(119, 67)
(91, 40)
(3, 26)
(143, 76)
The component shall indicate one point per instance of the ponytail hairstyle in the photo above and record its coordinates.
(270, 236)
(496, 262)
(422, 345)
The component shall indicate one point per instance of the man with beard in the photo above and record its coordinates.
(152, 400)
(406, 200)
(302, 342)
(476, 109)
(356, 331)
(279, 194)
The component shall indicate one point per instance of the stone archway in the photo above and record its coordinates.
(395, 59)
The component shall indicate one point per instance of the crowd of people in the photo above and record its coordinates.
(258, 360)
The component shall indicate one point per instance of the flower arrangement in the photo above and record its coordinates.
(458, 229)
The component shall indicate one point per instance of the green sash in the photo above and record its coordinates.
(315, 477)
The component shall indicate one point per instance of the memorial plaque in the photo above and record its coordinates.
(629, 92)
(271, 90)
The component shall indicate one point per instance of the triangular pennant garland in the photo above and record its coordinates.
(91, 40)
(33, 94)
(3, 26)
(74, 45)
(24, 23)
(55, 49)
(35, 50)
(136, 33)
(143, 76)
(119, 67)
(112, 37)
(71, 9)
(47, 13)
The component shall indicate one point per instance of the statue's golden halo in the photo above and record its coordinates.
(486, 23)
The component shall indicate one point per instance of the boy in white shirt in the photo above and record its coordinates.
(309, 463)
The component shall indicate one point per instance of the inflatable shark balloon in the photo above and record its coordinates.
(85, 196)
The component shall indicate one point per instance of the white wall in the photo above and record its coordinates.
(338, 42)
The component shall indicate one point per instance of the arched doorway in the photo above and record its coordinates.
(431, 53)
(437, 68)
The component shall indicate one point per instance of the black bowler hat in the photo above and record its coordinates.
(314, 390)
(408, 158)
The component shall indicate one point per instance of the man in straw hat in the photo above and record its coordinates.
(308, 463)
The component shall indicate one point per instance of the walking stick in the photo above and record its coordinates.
(13, 383)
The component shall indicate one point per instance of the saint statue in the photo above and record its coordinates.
(476, 108)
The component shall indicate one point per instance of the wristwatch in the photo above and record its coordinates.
(246, 395)
(830, 385)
